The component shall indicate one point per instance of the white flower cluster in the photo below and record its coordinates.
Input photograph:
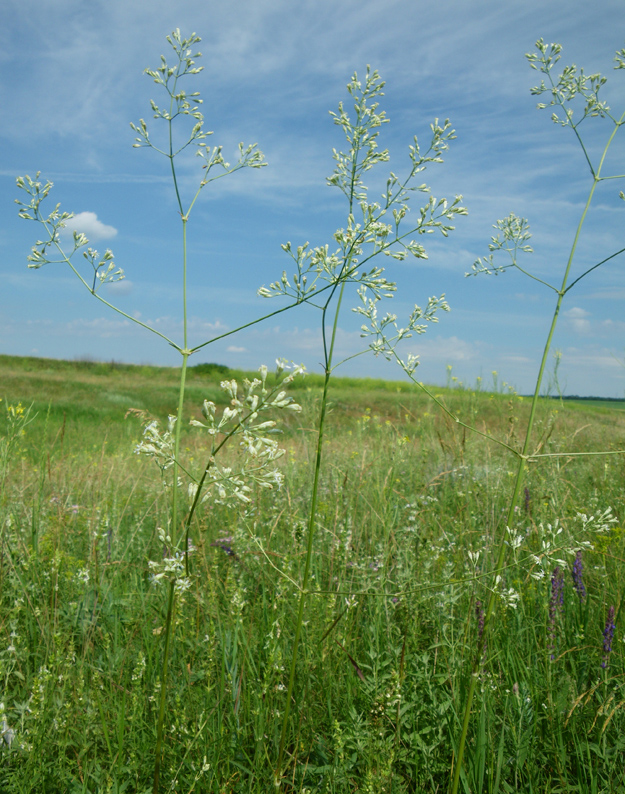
(515, 538)
(387, 334)
(181, 103)
(239, 419)
(556, 543)
(377, 228)
(7, 734)
(569, 85)
(104, 270)
(508, 595)
(602, 522)
(514, 234)
(157, 445)
(171, 568)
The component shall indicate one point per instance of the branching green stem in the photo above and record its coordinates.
(67, 260)
(312, 519)
(163, 693)
(501, 555)
(215, 450)
(174, 507)
(594, 267)
(347, 176)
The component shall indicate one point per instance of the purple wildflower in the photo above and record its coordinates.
(224, 545)
(578, 578)
(526, 492)
(555, 605)
(608, 635)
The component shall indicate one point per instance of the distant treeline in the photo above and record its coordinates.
(96, 367)
(210, 369)
(576, 398)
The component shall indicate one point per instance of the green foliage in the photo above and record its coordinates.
(399, 512)
(430, 603)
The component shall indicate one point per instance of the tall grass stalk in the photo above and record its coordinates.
(371, 230)
(180, 104)
(513, 239)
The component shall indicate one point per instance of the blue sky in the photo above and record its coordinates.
(71, 81)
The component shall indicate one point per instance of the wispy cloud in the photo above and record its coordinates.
(273, 70)
(123, 287)
(517, 359)
(608, 294)
(594, 357)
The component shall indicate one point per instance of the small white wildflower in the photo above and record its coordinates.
(515, 538)
(6, 734)
(182, 584)
(474, 556)
(510, 597)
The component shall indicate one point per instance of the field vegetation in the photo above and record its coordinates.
(410, 510)
(313, 584)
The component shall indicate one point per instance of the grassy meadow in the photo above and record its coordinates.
(411, 512)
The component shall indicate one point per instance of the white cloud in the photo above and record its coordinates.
(581, 327)
(89, 224)
(577, 318)
(575, 313)
(236, 349)
(612, 326)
